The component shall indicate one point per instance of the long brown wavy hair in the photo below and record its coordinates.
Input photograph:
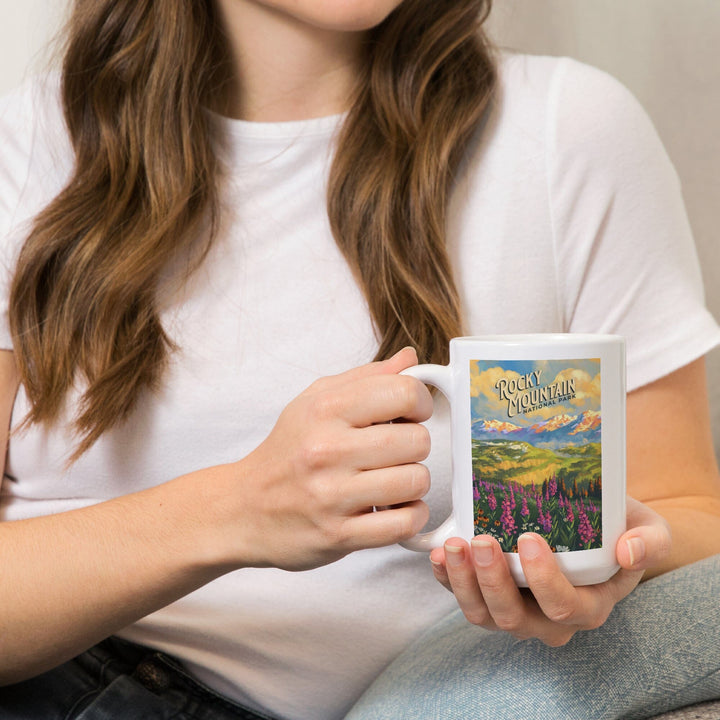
(136, 78)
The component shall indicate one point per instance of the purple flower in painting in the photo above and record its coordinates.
(524, 509)
(476, 493)
(545, 521)
(507, 519)
(512, 500)
(569, 514)
(491, 501)
(552, 487)
(585, 529)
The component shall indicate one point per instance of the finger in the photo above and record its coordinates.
(381, 446)
(648, 540)
(383, 398)
(385, 527)
(389, 486)
(403, 359)
(437, 562)
(372, 400)
(464, 584)
(559, 601)
(502, 598)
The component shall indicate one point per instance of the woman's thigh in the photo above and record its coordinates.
(660, 649)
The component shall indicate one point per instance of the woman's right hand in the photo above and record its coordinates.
(305, 496)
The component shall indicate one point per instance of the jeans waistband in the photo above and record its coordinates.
(165, 676)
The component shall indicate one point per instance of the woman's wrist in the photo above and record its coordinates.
(208, 504)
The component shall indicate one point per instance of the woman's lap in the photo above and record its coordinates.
(660, 649)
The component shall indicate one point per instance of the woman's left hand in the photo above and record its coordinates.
(551, 609)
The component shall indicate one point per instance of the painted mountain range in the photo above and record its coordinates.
(558, 432)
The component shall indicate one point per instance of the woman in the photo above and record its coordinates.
(176, 276)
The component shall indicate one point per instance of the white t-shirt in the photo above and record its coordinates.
(567, 216)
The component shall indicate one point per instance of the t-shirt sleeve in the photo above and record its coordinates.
(626, 258)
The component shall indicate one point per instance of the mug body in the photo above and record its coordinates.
(538, 436)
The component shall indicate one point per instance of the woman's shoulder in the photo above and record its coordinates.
(541, 76)
(575, 108)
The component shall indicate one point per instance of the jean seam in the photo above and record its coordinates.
(98, 688)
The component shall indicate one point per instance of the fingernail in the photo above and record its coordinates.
(454, 555)
(529, 547)
(482, 552)
(636, 549)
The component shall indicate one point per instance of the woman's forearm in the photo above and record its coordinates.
(301, 499)
(71, 579)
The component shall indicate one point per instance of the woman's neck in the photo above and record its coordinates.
(283, 68)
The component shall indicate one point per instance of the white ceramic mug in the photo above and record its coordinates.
(538, 445)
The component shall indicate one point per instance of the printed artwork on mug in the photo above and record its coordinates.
(536, 451)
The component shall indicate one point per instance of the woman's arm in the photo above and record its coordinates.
(671, 470)
(303, 498)
(671, 462)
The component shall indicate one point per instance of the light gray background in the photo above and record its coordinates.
(665, 51)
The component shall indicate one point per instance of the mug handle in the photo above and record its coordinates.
(439, 376)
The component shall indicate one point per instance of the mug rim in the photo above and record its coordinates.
(551, 338)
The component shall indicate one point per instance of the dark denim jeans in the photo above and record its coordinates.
(117, 680)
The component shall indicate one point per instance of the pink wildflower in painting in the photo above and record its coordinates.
(569, 514)
(585, 529)
(552, 486)
(506, 518)
(491, 501)
(545, 521)
(524, 509)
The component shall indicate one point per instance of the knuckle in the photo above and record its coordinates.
(327, 405)
(383, 438)
(404, 526)
(412, 521)
(406, 394)
(561, 614)
(317, 386)
(421, 441)
(493, 585)
(334, 534)
(324, 493)
(420, 480)
(664, 541)
(597, 619)
(476, 616)
(317, 453)
(511, 622)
